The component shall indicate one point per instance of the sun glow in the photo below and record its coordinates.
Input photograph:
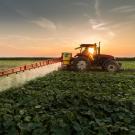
(91, 50)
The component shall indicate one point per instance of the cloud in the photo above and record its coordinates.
(81, 4)
(100, 26)
(22, 13)
(124, 9)
(25, 13)
(97, 4)
(97, 25)
(44, 23)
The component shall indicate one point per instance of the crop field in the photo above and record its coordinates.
(128, 64)
(71, 103)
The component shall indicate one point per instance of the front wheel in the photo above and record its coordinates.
(112, 66)
(81, 64)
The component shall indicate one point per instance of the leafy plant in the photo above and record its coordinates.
(70, 103)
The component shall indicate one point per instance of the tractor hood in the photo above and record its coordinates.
(104, 56)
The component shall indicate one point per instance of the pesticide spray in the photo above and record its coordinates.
(16, 80)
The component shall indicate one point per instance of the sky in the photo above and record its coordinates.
(49, 27)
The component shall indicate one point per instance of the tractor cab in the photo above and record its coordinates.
(89, 50)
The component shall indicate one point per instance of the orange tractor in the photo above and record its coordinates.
(88, 58)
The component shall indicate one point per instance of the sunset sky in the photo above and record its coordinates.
(49, 27)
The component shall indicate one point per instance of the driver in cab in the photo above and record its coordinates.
(89, 52)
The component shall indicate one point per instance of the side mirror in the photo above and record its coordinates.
(77, 48)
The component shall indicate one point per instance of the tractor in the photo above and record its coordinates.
(88, 58)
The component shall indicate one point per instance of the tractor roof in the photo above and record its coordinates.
(88, 45)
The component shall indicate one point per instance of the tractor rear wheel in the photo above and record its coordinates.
(112, 66)
(81, 64)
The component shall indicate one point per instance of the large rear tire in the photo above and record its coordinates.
(81, 64)
(112, 66)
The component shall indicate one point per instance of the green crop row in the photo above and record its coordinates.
(128, 64)
(71, 103)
